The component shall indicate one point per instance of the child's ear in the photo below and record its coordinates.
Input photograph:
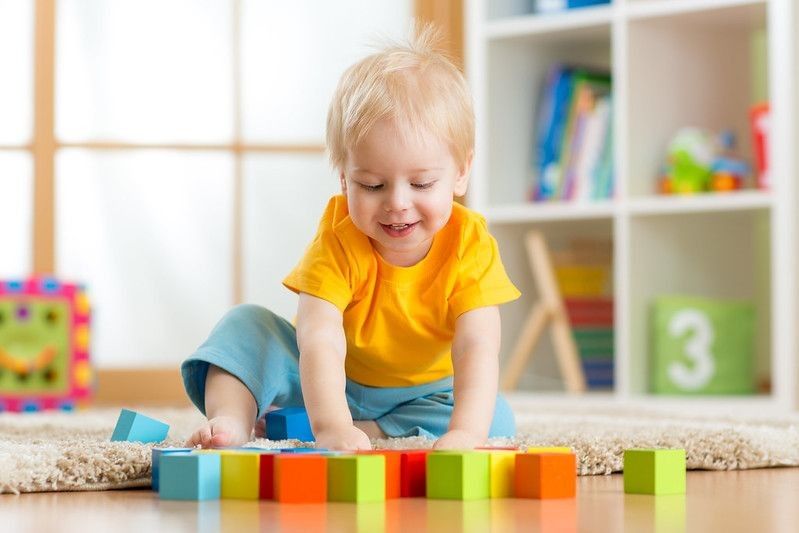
(343, 182)
(462, 180)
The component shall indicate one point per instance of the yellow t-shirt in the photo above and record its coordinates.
(400, 321)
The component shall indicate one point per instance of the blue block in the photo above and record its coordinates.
(288, 423)
(190, 476)
(156, 462)
(135, 427)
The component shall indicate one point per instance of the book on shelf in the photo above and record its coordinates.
(553, 6)
(584, 275)
(573, 141)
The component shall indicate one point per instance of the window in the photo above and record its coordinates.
(187, 148)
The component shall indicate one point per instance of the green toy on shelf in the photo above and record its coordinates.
(699, 161)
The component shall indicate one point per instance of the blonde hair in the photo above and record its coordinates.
(413, 83)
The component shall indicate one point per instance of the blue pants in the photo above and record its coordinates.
(260, 349)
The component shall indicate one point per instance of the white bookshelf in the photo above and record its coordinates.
(674, 63)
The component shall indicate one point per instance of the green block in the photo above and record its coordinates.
(702, 346)
(458, 476)
(356, 478)
(654, 471)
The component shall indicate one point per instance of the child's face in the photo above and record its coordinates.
(399, 190)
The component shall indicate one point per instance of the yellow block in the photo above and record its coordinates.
(240, 475)
(502, 466)
(549, 449)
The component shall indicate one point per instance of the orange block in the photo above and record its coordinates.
(300, 478)
(545, 475)
(393, 470)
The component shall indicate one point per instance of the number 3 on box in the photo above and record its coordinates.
(697, 349)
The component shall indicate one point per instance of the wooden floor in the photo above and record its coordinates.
(747, 501)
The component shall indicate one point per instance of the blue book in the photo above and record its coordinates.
(553, 6)
(551, 130)
(572, 4)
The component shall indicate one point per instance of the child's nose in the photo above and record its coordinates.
(398, 199)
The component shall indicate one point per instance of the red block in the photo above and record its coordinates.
(393, 470)
(413, 473)
(545, 475)
(266, 474)
(300, 478)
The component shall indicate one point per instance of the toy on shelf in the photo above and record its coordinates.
(760, 119)
(728, 171)
(699, 161)
(44, 345)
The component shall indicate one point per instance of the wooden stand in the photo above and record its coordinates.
(548, 309)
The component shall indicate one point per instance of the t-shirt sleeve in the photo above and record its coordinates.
(482, 280)
(325, 270)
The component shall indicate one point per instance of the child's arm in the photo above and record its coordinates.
(320, 338)
(475, 358)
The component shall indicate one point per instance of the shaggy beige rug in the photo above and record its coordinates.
(72, 451)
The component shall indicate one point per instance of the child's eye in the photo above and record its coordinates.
(423, 186)
(370, 187)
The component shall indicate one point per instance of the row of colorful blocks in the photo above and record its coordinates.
(311, 475)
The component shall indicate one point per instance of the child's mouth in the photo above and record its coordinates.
(398, 230)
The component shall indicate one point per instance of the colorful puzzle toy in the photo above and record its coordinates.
(44, 345)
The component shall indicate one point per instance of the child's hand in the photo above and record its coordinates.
(343, 438)
(458, 439)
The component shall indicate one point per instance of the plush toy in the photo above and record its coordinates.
(44, 345)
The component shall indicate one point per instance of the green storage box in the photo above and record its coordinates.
(702, 346)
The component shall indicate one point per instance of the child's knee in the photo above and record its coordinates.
(249, 312)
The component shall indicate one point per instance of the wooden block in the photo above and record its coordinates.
(156, 462)
(300, 478)
(549, 449)
(393, 471)
(457, 475)
(356, 478)
(650, 471)
(413, 473)
(136, 427)
(240, 474)
(190, 476)
(545, 475)
(288, 423)
(266, 476)
(501, 467)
